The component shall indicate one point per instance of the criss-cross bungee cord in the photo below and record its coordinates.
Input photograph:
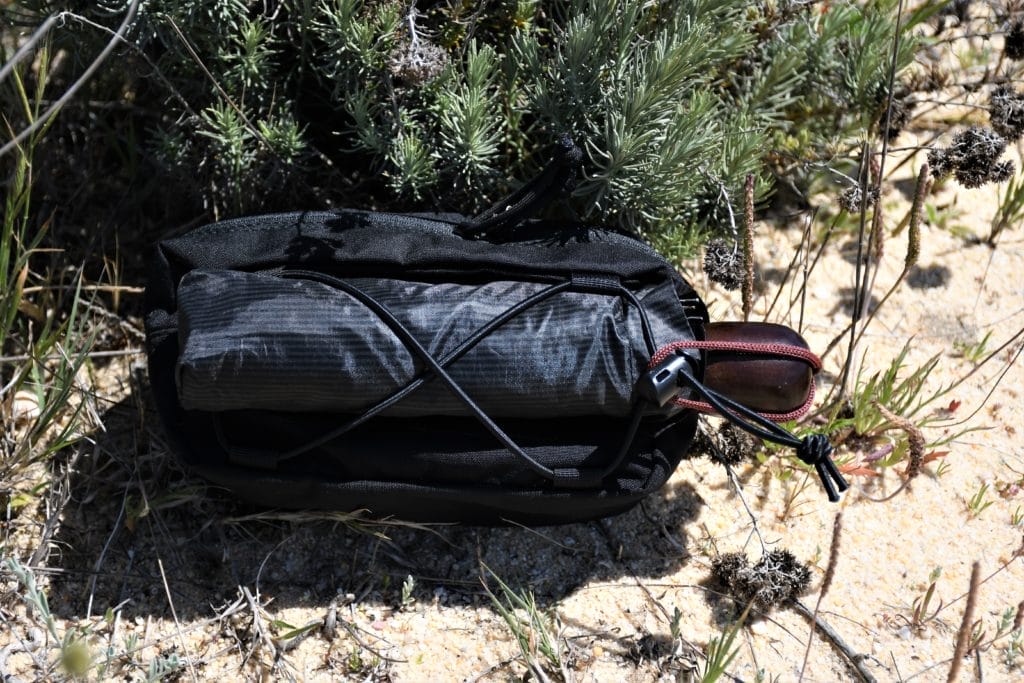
(436, 368)
(670, 370)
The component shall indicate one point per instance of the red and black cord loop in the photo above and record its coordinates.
(671, 369)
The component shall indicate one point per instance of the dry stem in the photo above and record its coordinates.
(826, 583)
(963, 636)
(748, 246)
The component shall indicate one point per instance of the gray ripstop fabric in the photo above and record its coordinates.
(257, 341)
(284, 311)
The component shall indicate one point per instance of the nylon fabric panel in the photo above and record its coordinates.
(252, 341)
(431, 504)
(345, 479)
(428, 468)
(355, 243)
(438, 450)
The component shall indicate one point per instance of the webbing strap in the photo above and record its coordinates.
(557, 179)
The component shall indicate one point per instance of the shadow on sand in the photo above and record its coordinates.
(135, 516)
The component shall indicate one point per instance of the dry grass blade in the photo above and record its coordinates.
(177, 623)
(826, 582)
(538, 635)
(43, 119)
(963, 636)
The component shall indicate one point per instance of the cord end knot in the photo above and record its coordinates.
(816, 450)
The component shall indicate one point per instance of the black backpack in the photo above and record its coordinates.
(435, 367)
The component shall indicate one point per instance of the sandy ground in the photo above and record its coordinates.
(181, 570)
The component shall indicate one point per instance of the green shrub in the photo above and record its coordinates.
(265, 105)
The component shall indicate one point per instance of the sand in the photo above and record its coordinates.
(182, 575)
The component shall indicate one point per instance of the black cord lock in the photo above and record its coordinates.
(662, 383)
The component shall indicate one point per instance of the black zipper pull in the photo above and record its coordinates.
(556, 180)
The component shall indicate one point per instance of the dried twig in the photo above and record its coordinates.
(44, 118)
(855, 658)
(863, 278)
(177, 623)
(750, 513)
(859, 276)
(915, 217)
(826, 583)
(106, 547)
(963, 636)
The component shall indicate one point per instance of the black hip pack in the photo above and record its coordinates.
(424, 367)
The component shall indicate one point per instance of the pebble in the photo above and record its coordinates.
(24, 407)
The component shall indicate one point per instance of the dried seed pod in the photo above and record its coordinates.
(417, 62)
(972, 158)
(898, 115)
(850, 199)
(1006, 112)
(727, 567)
(775, 580)
(1002, 171)
(1013, 46)
(734, 446)
(938, 162)
(723, 264)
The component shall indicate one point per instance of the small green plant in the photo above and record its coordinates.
(75, 656)
(408, 586)
(977, 503)
(921, 614)
(1008, 628)
(901, 395)
(721, 651)
(1014, 648)
(44, 336)
(973, 351)
(288, 636)
(892, 400)
(161, 667)
(1017, 518)
(674, 624)
(944, 218)
(1010, 211)
(538, 634)
(33, 596)
(359, 664)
